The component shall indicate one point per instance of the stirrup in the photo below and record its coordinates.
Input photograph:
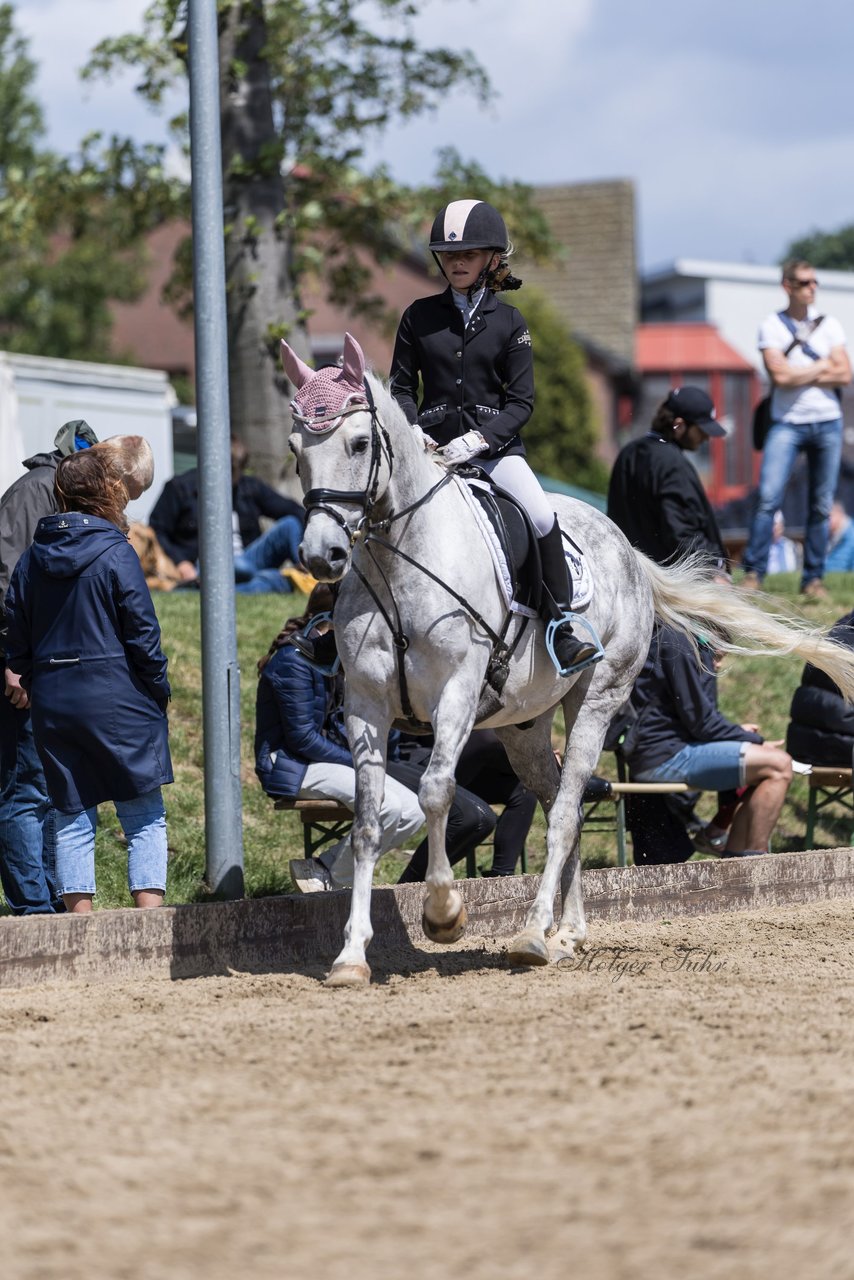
(307, 633)
(576, 620)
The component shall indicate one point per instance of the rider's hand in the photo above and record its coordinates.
(15, 691)
(463, 448)
(429, 443)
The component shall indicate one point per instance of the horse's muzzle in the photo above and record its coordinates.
(329, 566)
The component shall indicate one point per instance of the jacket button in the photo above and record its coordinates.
(459, 354)
(459, 382)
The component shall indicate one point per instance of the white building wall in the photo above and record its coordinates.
(42, 394)
(737, 297)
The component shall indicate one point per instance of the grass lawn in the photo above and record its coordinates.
(751, 689)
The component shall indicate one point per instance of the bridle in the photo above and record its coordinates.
(381, 447)
(370, 530)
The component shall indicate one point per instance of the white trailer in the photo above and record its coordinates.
(38, 394)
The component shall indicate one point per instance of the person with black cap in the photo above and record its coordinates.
(26, 815)
(463, 370)
(656, 496)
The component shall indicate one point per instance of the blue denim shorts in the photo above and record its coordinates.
(709, 766)
(143, 821)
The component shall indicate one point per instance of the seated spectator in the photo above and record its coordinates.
(258, 557)
(839, 557)
(681, 736)
(783, 553)
(301, 752)
(483, 770)
(821, 729)
(84, 640)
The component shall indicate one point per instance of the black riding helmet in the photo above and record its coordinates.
(474, 224)
(468, 224)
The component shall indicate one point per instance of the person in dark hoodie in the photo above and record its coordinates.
(821, 728)
(26, 817)
(681, 736)
(84, 639)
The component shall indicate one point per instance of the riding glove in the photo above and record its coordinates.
(463, 448)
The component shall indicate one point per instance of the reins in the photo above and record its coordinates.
(370, 531)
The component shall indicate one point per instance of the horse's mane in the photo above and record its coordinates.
(391, 415)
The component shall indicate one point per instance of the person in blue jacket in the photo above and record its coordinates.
(840, 541)
(84, 639)
(681, 736)
(301, 752)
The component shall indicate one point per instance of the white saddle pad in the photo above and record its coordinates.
(576, 563)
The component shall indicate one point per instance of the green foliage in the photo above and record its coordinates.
(70, 228)
(338, 73)
(561, 437)
(831, 250)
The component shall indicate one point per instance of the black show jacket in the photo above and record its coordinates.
(478, 378)
(657, 498)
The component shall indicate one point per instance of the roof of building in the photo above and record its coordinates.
(743, 272)
(665, 347)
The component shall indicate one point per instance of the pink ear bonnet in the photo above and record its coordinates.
(325, 397)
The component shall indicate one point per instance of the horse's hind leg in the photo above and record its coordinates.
(351, 969)
(531, 755)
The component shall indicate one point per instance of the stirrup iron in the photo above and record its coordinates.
(576, 620)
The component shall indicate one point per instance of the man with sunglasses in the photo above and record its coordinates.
(807, 362)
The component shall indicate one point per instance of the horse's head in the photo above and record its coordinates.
(343, 456)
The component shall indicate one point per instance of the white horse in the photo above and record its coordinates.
(416, 619)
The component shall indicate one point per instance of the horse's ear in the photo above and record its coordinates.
(354, 362)
(295, 370)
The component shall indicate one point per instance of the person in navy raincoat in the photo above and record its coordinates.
(85, 640)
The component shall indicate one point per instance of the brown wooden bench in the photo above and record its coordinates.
(322, 821)
(326, 820)
(826, 787)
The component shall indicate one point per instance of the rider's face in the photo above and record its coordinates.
(463, 266)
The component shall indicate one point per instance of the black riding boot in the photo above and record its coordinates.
(557, 600)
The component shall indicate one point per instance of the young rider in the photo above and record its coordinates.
(474, 358)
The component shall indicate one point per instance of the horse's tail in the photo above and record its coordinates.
(685, 597)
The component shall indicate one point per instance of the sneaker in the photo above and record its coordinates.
(815, 590)
(751, 581)
(705, 843)
(310, 876)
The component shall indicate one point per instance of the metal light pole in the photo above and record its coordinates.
(220, 672)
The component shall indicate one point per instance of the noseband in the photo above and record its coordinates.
(319, 499)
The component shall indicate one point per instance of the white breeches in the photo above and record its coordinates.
(514, 475)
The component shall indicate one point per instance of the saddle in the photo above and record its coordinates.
(513, 542)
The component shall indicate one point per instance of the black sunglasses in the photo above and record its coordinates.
(803, 284)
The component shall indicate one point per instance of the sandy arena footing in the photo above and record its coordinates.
(276, 935)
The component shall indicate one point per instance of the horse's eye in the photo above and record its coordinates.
(360, 445)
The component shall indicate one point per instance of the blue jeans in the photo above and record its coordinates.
(26, 819)
(143, 821)
(256, 568)
(709, 766)
(822, 444)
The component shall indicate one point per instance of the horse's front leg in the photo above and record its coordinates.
(368, 744)
(444, 915)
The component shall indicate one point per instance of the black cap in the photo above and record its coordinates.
(695, 407)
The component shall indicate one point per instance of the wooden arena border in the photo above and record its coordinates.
(303, 933)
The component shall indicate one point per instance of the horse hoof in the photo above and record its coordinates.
(348, 975)
(527, 949)
(446, 933)
(562, 948)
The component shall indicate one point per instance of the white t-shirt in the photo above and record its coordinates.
(803, 404)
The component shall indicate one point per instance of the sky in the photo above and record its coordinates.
(734, 120)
